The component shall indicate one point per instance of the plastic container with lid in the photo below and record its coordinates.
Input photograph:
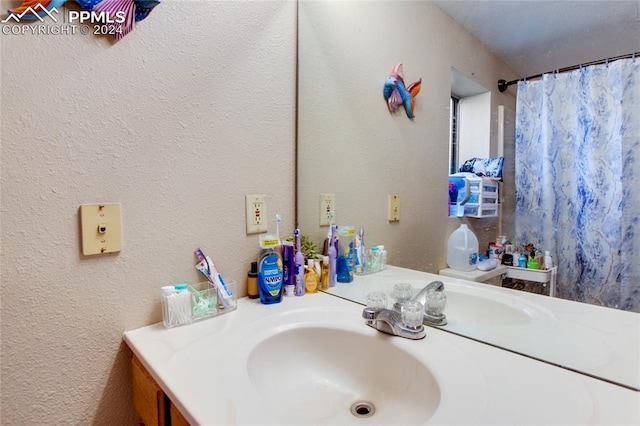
(176, 305)
(462, 249)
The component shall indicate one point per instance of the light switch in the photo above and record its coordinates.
(101, 228)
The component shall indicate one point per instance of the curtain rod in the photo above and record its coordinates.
(503, 84)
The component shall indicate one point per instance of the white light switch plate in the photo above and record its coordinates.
(101, 228)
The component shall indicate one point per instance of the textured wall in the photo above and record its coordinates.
(352, 146)
(177, 122)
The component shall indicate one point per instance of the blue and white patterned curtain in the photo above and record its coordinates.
(578, 179)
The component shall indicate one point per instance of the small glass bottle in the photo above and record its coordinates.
(311, 279)
(252, 281)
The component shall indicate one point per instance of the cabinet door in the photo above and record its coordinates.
(176, 417)
(148, 398)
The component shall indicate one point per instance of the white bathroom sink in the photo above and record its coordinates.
(307, 360)
(465, 305)
(469, 307)
(323, 366)
(329, 375)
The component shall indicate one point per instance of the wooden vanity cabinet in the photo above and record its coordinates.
(150, 402)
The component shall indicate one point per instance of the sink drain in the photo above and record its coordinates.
(363, 409)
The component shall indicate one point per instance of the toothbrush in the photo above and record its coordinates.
(360, 251)
(278, 222)
(208, 269)
(299, 265)
(224, 293)
(333, 254)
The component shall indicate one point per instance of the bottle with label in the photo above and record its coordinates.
(289, 282)
(539, 259)
(324, 276)
(270, 271)
(522, 260)
(548, 260)
(462, 249)
(311, 279)
(252, 281)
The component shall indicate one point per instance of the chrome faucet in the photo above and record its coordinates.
(390, 322)
(433, 299)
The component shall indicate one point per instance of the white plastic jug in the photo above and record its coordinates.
(462, 249)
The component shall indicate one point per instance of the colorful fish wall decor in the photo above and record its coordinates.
(118, 15)
(396, 93)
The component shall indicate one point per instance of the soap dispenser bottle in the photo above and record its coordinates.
(324, 276)
(270, 271)
(311, 280)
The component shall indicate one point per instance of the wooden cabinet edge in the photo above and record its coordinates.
(150, 401)
(177, 419)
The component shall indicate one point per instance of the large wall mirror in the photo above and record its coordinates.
(351, 145)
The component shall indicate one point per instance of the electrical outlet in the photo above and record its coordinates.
(327, 205)
(394, 208)
(256, 209)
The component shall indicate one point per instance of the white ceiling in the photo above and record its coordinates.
(537, 36)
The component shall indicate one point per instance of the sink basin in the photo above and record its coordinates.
(322, 365)
(467, 308)
(320, 375)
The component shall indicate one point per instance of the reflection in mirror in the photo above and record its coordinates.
(351, 145)
(600, 342)
(470, 120)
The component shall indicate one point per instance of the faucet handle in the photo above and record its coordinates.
(412, 312)
(436, 301)
(402, 292)
(376, 299)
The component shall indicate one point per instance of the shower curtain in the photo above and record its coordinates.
(577, 162)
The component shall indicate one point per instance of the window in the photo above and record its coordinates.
(470, 120)
(454, 108)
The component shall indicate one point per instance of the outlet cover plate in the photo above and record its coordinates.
(256, 213)
(327, 205)
(101, 228)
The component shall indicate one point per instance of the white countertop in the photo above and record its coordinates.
(193, 365)
(599, 341)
